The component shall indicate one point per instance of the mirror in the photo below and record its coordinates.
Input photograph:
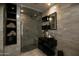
(49, 22)
(53, 21)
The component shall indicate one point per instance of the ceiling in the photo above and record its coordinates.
(30, 12)
(41, 7)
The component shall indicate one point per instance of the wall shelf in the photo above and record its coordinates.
(11, 26)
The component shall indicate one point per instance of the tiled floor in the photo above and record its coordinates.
(34, 52)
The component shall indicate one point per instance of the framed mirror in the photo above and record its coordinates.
(49, 22)
(53, 21)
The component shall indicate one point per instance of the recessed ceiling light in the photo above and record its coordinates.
(49, 4)
(22, 10)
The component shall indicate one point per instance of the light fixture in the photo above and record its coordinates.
(49, 4)
(22, 10)
(50, 19)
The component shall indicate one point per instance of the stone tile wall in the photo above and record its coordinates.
(67, 33)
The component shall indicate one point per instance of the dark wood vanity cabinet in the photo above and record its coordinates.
(45, 27)
(47, 45)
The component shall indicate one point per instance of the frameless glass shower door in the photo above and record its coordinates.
(30, 29)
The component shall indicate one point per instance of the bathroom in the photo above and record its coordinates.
(29, 21)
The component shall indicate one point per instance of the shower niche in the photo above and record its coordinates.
(11, 26)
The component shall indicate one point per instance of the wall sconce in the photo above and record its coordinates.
(50, 19)
(22, 10)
